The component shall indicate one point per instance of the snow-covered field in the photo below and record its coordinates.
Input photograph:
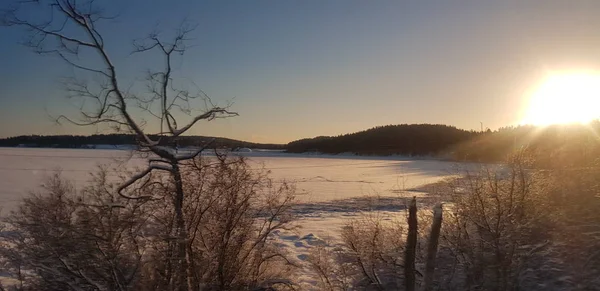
(331, 189)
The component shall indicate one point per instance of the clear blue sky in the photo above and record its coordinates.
(300, 69)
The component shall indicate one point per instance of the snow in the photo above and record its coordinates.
(244, 150)
(111, 147)
(331, 189)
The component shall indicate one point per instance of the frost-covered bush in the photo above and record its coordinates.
(94, 239)
(574, 195)
(372, 254)
(232, 213)
(498, 233)
(497, 223)
(61, 239)
(370, 257)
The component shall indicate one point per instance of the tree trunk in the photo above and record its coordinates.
(182, 272)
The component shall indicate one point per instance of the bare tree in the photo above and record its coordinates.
(70, 29)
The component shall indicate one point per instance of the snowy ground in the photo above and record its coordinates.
(331, 189)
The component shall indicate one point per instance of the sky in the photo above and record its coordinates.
(298, 69)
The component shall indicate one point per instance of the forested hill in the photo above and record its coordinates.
(566, 145)
(77, 141)
(404, 139)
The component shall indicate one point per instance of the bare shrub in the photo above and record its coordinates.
(573, 193)
(63, 240)
(95, 239)
(370, 258)
(233, 213)
(496, 235)
(508, 227)
(497, 222)
(334, 268)
(376, 250)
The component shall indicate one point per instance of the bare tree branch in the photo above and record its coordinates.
(65, 59)
(209, 115)
(106, 120)
(195, 153)
(139, 176)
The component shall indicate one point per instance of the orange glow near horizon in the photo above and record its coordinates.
(565, 98)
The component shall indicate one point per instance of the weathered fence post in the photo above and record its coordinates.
(411, 247)
(432, 247)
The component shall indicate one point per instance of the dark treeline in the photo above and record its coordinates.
(566, 145)
(550, 146)
(570, 145)
(403, 139)
(77, 141)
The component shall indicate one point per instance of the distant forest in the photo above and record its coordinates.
(78, 141)
(403, 139)
(569, 145)
(566, 145)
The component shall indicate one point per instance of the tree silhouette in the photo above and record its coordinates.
(403, 139)
(70, 29)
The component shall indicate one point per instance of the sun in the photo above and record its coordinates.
(565, 98)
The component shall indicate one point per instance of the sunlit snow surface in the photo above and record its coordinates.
(332, 190)
(318, 178)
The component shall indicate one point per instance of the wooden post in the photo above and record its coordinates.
(432, 247)
(411, 247)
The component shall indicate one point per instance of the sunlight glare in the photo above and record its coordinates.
(565, 98)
